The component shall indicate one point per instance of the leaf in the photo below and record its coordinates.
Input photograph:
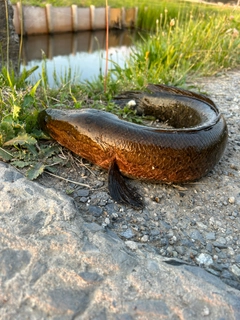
(16, 111)
(39, 134)
(20, 164)
(21, 139)
(28, 101)
(34, 88)
(6, 132)
(26, 73)
(9, 80)
(30, 119)
(35, 171)
(32, 149)
(51, 169)
(57, 160)
(4, 155)
(8, 118)
(49, 151)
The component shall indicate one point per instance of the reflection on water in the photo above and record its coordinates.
(83, 52)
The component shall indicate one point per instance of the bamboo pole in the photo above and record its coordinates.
(107, 34)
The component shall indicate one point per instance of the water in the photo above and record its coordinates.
(83, 53)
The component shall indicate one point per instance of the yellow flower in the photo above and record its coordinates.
(147, 55)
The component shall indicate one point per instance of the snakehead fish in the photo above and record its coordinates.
(185, 151)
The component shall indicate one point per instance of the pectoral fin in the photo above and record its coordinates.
(120, 191)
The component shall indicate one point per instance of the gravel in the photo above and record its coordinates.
(198, 223)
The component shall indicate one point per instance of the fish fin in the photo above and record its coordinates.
(120, 191)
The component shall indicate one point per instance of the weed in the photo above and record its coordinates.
(18, 113)
(182, 47)
(36, 158)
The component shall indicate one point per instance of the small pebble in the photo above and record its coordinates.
(172, 240)
(231, 251)
(205, 312)
(144, 238)
(196, 235)
(204, 259)
(107, 221)
(231, 200)
(131, 244)
(235, 270)
(174, 254)
(95, 211)
(221, 240)
(209, 247)
(114, 215)
(210, 236)
(81, 193)
(128, 234)
(83, 199)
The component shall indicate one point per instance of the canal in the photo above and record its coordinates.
(83, 53)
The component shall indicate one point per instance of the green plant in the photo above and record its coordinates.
(36, 158)
(164, 11)
(180, 48)
(18, 112)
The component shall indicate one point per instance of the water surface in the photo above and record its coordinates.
(83, 53)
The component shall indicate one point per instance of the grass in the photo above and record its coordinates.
(85, 3)
(179, 42)
(184, 46)
(181, 10)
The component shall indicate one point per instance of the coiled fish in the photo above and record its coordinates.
(186, 151)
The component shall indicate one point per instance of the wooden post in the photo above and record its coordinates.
(37, 20)
(92, 17)
(49, 18)
(74, 18)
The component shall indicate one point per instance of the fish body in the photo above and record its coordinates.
(185, 152)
